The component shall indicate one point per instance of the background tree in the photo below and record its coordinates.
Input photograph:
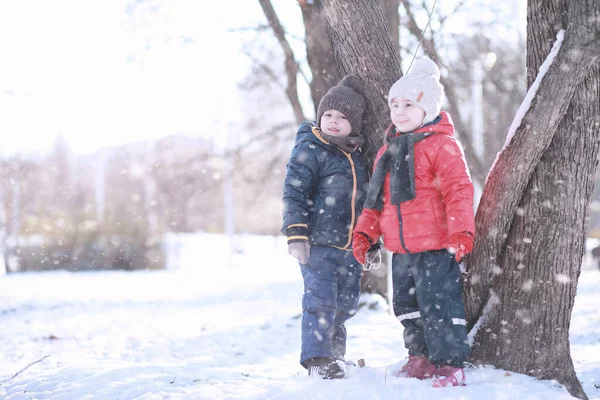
(531, 219)
(324, 73)
(502, 85)
(319, 53)
(427, 28)
(530, 232)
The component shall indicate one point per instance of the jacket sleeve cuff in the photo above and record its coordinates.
(368, 224)
(296, 233)
(376, 246)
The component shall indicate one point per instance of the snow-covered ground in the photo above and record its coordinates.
(223, 325)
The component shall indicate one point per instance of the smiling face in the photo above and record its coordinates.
(406, 115)
(335, 123)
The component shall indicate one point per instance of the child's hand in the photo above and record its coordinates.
(300, 251)
(360, 245)
(461, 244)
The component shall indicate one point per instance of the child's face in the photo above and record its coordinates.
(406, 115)
(335, 123)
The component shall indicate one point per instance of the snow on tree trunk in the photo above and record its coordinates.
(532, 217)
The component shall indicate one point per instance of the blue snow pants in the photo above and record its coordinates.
(428, 302)
(331, 291)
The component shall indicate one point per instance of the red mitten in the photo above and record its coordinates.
(461, 244)
(368, 224)
(360, 245)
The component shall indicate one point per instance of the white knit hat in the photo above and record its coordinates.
(422, 86)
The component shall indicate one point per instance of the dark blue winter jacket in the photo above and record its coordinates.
(324, 190)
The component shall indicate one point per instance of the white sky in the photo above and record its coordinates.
(98, 75)
(101, 73)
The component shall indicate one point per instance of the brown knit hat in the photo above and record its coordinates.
(348, 98)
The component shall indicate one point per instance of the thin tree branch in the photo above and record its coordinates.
(29, 365)
(475, 165)
(258, 28)
(256, 138)
(265, 68)
(263, 27)
(291, 66)
(444, 18)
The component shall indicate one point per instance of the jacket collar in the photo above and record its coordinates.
(442, 124)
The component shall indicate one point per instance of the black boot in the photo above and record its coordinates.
(325, 367)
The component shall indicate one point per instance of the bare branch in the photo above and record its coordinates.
(475, 165)
(443, 18)
(291, 66)
(257, 138)
(29, 365)
(265, 68)
(258, 28)
(261, 28)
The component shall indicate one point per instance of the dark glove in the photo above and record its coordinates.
(300, 250)
(360, 245)
(461, 244)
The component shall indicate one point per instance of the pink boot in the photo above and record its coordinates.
(418, 367)
(449, 375)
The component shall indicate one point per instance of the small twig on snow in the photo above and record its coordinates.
(29, 365)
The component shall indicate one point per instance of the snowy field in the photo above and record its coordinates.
(224, 325)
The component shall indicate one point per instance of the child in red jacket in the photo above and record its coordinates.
(420, 199)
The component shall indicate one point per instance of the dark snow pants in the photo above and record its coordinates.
(331, 291)
(428, 302)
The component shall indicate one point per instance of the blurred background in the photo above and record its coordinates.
(129, 126)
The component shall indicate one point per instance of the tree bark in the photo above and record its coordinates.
(392, 18)
(319, 52)
(531, 219)
(362, 46)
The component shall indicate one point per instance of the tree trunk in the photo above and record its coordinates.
(531, 219)
(392, 18)
(319, 52)
(363, 46)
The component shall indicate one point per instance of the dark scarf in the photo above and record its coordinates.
(346, 143)
(399, 160)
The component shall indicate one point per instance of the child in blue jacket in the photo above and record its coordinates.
(324, 189)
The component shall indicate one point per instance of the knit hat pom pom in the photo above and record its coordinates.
(424, 66)
(354, 83)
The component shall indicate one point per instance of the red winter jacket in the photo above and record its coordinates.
(444, 197)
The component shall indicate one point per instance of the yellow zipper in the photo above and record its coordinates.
(354, 190)
(317, 133)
